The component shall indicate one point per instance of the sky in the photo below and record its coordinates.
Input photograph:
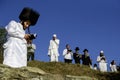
(90, 24)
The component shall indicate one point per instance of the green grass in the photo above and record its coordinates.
(73, 69)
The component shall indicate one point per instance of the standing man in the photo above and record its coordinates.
(77, 56)
(102, 62)
(30, 50)
(15, 49)
(86, 58)
(53, 52)
(67, 53)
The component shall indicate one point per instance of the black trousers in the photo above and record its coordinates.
(77, 61)
(30, 55)
(67, 60)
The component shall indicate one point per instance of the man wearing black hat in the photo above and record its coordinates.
(86, 58)
(15, 49)
(77, 56)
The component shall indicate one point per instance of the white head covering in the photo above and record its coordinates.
(101, 51)
(54, 35)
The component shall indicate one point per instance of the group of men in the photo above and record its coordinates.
(69, 55)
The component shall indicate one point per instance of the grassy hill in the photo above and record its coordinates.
(73, 69)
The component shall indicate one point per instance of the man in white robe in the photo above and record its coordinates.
(102, 62)
(53, 52)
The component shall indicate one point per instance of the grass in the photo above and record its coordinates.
(73, 69)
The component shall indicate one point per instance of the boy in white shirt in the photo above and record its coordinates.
(30, 50)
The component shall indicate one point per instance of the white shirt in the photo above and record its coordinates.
(31, 47)
(113, 68)
(67, 55)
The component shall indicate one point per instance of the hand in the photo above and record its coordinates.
(67, 52)
(27, 36)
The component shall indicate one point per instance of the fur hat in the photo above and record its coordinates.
(29, 14)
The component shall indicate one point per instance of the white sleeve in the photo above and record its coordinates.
(98, 59)
(110, 65)
(50, 45)
(34, 46)
(12, 30)
(64, 52)
(57, 41)
(71, 53)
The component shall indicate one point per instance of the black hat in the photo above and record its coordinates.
(85, 50)
(29, 14)
(77, 48)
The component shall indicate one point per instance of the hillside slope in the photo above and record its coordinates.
(73, 69)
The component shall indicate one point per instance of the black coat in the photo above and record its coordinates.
(86, 60)
(77, 57)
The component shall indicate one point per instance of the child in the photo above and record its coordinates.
(113, 66)
(95, 67)
(15, 49)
